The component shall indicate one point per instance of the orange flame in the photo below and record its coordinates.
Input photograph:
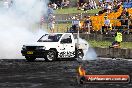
(81, 71)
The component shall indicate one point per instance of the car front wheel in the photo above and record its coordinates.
(79, 54)
(50, 56)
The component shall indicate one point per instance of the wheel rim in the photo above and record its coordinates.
(50, 56)
(80, 55)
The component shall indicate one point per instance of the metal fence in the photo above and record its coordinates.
(95, 26)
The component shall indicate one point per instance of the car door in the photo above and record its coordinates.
(67, 47)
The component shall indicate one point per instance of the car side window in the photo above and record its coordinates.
(66, 39)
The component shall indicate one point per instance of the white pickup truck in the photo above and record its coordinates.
(54, 46)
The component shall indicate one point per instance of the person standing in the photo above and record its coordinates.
(75, 24)
(50, 9)
(51, 18)
(118, 37)
(87, 24)
(106, 26)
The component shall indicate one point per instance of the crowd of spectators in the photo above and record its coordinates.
(60, 4)
(107, 7)
(86, 5)
(110, 6)
(109, 24)
(81, 4)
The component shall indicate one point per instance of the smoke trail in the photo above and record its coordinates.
(89, 53)
(16, 23)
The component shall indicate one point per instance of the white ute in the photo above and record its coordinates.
(54, 46)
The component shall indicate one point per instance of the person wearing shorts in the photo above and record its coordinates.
(51, 23)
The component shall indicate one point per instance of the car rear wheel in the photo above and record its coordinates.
(79, 54)
(51, 56)
(30, 59)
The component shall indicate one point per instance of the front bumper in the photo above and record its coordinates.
(34, 53)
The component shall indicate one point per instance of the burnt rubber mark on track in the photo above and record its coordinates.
(58, 74)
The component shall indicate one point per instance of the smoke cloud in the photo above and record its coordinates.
(89, 53)
(16, 23)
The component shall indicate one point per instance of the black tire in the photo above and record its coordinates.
(79, 54)
(82, 80)
(30, 59)
(50, 56)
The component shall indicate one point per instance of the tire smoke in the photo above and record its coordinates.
(16, 23)
(89, 53)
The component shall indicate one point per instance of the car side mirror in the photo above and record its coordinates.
(64, 41)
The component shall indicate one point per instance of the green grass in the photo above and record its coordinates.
(59, 27)
(94, 43)
(62, 27)
(105, 44)
(74, 10)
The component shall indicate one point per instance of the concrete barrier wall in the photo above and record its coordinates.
(114, 52)
(67, 16)
(100, 37)
(109, 52)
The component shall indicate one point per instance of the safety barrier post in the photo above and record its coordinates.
(101, 28)
(128, 26)
(57, 26)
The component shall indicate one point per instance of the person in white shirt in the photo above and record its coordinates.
(107, 22)
(54, 6)
(91, 5)
(109, 8)
(75, 23)
(67, 3)
(95, 5)
(51, 20)
(106, 26)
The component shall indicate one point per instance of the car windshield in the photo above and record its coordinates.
(50, 38)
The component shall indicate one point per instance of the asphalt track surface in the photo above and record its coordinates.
(15, 73)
